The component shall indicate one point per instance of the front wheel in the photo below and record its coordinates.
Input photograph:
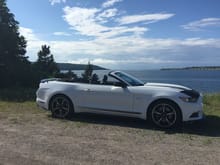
(61, 106)
(165, 114)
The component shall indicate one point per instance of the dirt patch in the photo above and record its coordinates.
(28, 135)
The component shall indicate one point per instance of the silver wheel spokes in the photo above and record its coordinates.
(164, 115)
(60, 107)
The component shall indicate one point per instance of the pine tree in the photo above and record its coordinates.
(45, 62)
(87, 75)
(13, 62)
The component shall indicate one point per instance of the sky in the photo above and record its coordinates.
(123, 34)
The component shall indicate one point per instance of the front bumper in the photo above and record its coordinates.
(192, 111)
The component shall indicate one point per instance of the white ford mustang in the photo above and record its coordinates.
(166, 105)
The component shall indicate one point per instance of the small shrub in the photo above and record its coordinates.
(18, 94)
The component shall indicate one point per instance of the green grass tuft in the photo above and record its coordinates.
(212, 104)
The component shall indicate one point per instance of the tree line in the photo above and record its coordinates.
(15, 68)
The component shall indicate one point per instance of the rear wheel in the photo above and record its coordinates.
(61, 107)
(165, 114)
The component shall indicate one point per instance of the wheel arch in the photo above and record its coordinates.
(160, 100)
(60, 94)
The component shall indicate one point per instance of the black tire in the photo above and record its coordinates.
(61, 107)
(165, 114)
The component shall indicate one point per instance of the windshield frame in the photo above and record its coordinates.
(126, 78)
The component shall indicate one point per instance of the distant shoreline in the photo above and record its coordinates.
(194, 68)
(68, 66)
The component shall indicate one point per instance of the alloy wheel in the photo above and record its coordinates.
(60, 107)
(164, 115)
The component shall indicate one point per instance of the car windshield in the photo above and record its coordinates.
(130, 79)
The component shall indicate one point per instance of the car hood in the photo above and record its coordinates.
(179, 87)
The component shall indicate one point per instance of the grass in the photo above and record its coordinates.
(212, 104)
(212, 112)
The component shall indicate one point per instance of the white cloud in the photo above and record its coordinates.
(88, 22)
(201, 24)
(53, 2)
(83, 20)
(146, 18)
(28, 33)
(33, 42)
(61, 34)
(103, 62)
(109, 13)
(127, 51)
(102, 22)
(202, 42)
(110, 3)
(97, 61)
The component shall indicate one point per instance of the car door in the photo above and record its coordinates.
(104, 98)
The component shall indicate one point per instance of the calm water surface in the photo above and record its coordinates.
(202, 80)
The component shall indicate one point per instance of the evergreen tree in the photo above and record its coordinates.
(13, 62)
(95, 79)
(87, 75)
(45, 62)
(70, 76)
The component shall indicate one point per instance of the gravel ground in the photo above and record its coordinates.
(29, 135)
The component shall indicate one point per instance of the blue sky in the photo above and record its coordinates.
(123, 34)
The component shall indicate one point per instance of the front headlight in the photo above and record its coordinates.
(190, 96)
(188, 99)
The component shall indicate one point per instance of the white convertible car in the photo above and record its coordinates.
(166, 105)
